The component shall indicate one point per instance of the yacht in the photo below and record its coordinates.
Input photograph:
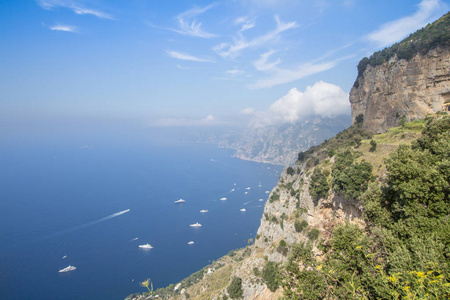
(223, 198)
(180, 201)
(146, 246)
(67, 269)
(204, 211)
(196, 225)
(191, 243)
(243, 209)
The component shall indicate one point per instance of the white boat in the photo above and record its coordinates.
(67, 269)
(223, 198)
(267, 192)
(65, 256)
(248, 188)
(196, 225)
(243, 209)
(261, 200)
(204, 211)
(191, 243)
(180, 201)
(245, 193)
(146, 246)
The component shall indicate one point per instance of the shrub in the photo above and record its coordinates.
(359, 118)
(319, 186)
(299, 226)
(271, 275)
(282, 248)
(235, 288)
(313, 234)
(290, 171)
(373, 145)
(331, 152)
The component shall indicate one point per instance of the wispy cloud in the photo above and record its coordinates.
(61, 27)
(278, 75)
(184, 56)
(391, 32)
(188, 24)
(321, 99)
(75, 6)
(228, 50)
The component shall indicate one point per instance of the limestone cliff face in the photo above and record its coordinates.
(397, 88)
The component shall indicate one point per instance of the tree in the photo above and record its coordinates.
(290, 171)
(373, 145)
(359, 118)
(235, 288)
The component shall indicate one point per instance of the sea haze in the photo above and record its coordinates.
(68, 196)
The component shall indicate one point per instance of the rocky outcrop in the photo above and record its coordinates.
(401, 88)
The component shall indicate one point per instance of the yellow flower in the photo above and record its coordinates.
(421, 274)
(359, 247)
(319, 267)
(377, 267)
(406, 288)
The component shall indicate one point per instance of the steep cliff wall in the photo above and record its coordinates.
(410, 88)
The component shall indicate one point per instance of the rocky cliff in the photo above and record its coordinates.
(406, 81)
(280, 144)
(401, 88)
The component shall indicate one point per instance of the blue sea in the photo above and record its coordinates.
(64, 200)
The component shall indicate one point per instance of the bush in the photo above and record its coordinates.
(282, 248)
(319, 186)
(331, 152)
(373, 145)
(271, 276)
(235, 288)
(290, 171)
(359, 118)
(299, 226)
(313, 234)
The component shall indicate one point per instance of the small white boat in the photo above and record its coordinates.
(67, 269)
(223, 199)
(196, 225)
(180, 201)
(242, 209)
(245, 193)
(267, 192)
(191, 243)
(204, 211)
(248, 188)
(146, 246)
(65, 256)
(261, 200)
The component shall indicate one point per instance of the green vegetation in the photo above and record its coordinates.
(404, 250)
(349, 177)
(299, 226)
(271, 275)
(234, 290)
(373, 146)
(430, 37)
(290, 171)
(319, 186)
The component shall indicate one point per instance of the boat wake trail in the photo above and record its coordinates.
(88, 224)
(247, 202)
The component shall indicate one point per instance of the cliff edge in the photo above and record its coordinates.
(407, 80)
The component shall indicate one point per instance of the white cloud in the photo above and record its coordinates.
(391, 32)
(280, 76)
(321, 99)
(75, 7)
(228, 50)
(60, 27)
(235, 72)
(184, 56)
(190, 26)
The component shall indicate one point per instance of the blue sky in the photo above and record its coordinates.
(172, 63)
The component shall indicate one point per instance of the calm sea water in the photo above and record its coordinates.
(66, 196)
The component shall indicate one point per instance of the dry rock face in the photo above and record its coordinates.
(397, 88)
